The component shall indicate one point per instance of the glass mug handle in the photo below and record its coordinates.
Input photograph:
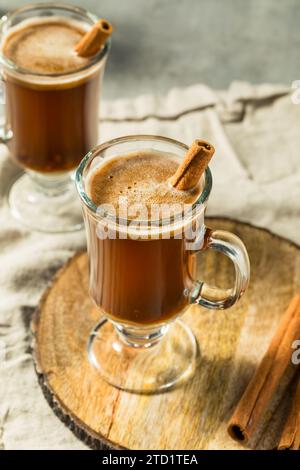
(5, 131)
(231, 246)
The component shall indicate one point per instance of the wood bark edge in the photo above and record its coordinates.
(78, 428)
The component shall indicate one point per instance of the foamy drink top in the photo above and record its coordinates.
(138, 177)
(45, 46)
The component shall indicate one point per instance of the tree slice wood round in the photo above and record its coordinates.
(231, 343)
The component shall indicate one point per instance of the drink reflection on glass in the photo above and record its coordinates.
(143, 263)
(51, 109)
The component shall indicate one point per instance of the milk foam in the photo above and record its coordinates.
(45, 45)
(138, 177)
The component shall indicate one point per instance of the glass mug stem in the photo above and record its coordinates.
(51, 185)
(231, 246)
(139, 338)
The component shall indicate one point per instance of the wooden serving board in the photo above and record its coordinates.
(231, 343)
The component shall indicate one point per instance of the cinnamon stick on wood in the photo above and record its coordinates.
(193, 165)
(267, 378)
(290, 438)
(94, 39)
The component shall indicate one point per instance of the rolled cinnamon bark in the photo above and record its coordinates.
(94, 39)
(267, 378)
(290, 437)
(193, 165)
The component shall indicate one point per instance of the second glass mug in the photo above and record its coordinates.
(142, 286)
(51, 121)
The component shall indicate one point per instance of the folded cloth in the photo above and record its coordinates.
(256, 171)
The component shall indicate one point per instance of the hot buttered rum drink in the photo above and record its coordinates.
(52, 102)
(138, 281)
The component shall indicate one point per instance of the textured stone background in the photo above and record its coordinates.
(159, 44)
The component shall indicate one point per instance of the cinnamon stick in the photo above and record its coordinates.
(94, 39)
(268, 376)
(193, 165)
(290, 437)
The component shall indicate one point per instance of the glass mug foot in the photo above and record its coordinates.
(46, 208)
(146, 360)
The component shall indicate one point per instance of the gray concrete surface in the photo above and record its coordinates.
(159, 44)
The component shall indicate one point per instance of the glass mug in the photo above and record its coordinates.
(143, 283)
(51, 121)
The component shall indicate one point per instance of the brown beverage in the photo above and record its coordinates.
(52, 108)
(139, 282)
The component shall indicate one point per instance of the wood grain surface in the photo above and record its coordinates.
(231, 343)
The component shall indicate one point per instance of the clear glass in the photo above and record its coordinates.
(142, 286)
(50, 122)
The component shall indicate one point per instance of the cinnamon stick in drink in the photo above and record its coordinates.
(290, 438)
(267, 378)
(193, 165)
(94, 39)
